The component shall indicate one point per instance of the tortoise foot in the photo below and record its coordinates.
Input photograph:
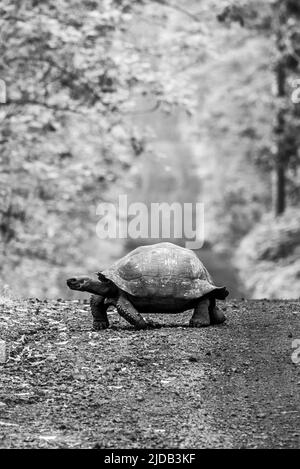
(198, 323)
(141, 325)
(147, 325)
(219, 320)
(99, 325)
(153, 325)
(217, 316)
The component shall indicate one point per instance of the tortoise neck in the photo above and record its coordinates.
(98, 288)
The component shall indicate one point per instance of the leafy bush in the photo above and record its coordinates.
(268, 258)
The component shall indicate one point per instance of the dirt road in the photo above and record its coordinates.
(235, 385)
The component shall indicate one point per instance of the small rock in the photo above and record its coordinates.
(97, 446)
(192, 359)
(48, 437)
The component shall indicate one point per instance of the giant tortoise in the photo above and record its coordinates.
(159, 278)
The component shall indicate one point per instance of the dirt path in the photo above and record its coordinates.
(233, 385)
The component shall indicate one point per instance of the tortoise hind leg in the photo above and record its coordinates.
(216, 314)
(99, 312)
(201, 316)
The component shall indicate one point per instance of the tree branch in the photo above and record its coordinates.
(33, 102)
(69, 73)
(178, 8)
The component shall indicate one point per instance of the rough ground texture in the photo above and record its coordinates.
(229, 386)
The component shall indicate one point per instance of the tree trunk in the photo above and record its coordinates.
(279, 194)
(279, 189)
(281, 156)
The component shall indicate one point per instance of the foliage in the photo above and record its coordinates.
(268, 257)
(74, 72)
(82, 75)
(279, 21)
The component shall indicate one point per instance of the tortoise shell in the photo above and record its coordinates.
(162, 270)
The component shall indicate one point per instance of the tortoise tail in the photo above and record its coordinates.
(221, 293)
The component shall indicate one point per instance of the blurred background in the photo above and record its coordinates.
(164, 101)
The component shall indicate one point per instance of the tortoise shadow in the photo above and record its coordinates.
(165, 326)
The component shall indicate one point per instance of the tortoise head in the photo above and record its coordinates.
(97, 287)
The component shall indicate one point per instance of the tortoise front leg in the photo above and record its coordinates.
(128, 312)
(201, 317)
(99, 312)
(216, 314)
